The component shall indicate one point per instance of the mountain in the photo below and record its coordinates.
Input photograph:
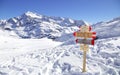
(107, 29)
(49, 57)
(33, 25)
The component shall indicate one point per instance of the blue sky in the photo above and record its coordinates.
(89, 10)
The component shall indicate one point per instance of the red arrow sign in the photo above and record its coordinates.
(85, 34)
(85, 41)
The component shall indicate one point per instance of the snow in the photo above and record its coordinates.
(13, 46)
(112, 26)
(5, 34)
(33, 15)
(72, 21)
(33, 25)
(46, 56)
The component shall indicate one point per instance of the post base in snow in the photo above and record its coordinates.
(84, 71)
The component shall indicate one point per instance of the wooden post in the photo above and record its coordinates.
(84, 33)
(84, 62)
(85, 48)
(84, 58)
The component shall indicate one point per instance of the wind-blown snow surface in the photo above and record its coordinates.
(45, 57)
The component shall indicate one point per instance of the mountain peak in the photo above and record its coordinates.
(32, 15)
(29, 12)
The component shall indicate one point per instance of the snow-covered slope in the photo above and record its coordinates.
(108, 29)
(44, 57)
(10, 34)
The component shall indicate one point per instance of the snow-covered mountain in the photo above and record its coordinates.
(33, 25)
(48, 57)
(108, 29)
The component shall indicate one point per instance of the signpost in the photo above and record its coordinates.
(84, 37)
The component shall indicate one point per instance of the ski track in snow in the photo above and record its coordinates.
(102, 59)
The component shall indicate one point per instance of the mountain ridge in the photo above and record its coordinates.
(33, 25)
(108, 29)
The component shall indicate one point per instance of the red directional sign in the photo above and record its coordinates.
(85, 38)
(85, 41)
(85, 34)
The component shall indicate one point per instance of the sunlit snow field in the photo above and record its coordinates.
(47, 57)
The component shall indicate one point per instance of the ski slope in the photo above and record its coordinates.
(47, 57)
